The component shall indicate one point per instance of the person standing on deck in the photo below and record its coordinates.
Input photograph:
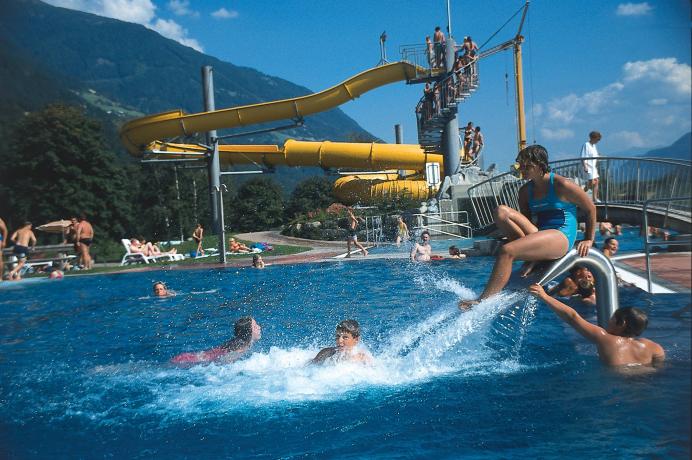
(439, 39)
(589, 150)
(353, 233)
(84, 236)
(23, 238)
(3, 242)
(198, 236)
(554, 200)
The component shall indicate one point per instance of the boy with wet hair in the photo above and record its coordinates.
(347, 339)
(617, 343)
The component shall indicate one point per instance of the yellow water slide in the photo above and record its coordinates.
(363, 188)
(149, 134)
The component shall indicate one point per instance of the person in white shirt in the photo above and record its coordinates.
(590, 169)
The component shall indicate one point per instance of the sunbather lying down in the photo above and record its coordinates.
(235, 246)
(147, 248)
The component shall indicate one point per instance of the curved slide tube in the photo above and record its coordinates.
(137, 134)
(607, 300)
(365, 189)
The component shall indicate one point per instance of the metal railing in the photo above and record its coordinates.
(647, 243)
(623, 181)
(454, 224)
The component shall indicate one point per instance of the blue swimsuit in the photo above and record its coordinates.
(553, 213)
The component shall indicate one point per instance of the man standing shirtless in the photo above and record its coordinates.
(22, 237)
(84, 237)
(3, 241)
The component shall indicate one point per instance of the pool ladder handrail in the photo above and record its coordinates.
(606, 281)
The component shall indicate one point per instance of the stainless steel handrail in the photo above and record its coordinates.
(626, 181)
(647, 243)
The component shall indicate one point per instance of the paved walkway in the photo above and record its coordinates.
(672, 269)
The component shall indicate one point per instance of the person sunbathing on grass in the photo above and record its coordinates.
(237, 247)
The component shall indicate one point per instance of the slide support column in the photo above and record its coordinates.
(450, 135)
(213, 161)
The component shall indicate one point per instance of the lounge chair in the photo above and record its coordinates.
(137, 257)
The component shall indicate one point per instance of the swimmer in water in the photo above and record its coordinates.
(160, 289)
(347, 339)
(617, 343)
(257, 261)
(455, 253)
(421, 252)
(246, 331)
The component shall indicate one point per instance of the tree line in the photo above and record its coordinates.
(57, 163)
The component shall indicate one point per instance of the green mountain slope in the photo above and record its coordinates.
(143, 72)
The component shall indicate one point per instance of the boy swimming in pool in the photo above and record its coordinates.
(346, 349)
(617, 345)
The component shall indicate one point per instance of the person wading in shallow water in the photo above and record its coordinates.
(554, 200)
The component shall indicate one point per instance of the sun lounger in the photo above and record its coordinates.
(137, 257)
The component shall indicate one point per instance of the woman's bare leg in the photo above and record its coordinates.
(512, 223)
(542, 245)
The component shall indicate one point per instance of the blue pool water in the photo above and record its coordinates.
(84, 369)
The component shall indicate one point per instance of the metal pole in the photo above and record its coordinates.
(218, 190)
(646, 246)
(214, 167)
(449, 20)
(177, 195)
(519, 82)
(399, 139)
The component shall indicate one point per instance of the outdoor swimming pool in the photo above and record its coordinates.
(85, 373)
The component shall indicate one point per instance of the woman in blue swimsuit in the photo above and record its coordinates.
(553, 200)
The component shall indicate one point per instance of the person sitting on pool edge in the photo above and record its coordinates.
(246, 331)
(347, 340)
(616, 344)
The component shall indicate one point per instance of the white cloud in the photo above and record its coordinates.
(223, 13)
(182, 8)
(556, 134)
(658, 101)
(137, 11)
(633, 9)
(626, 139)
(665, 70)
(174, 31)
(566, 108)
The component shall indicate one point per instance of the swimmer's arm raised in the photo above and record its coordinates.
(590, 332)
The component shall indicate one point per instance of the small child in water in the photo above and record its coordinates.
(617, 345)
(347, 339)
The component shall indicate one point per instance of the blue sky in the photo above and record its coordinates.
(622, 68)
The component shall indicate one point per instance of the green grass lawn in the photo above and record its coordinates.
(186, 248)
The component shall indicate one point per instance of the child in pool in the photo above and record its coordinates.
(617, 345)
(347, 338)
(247, 332)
